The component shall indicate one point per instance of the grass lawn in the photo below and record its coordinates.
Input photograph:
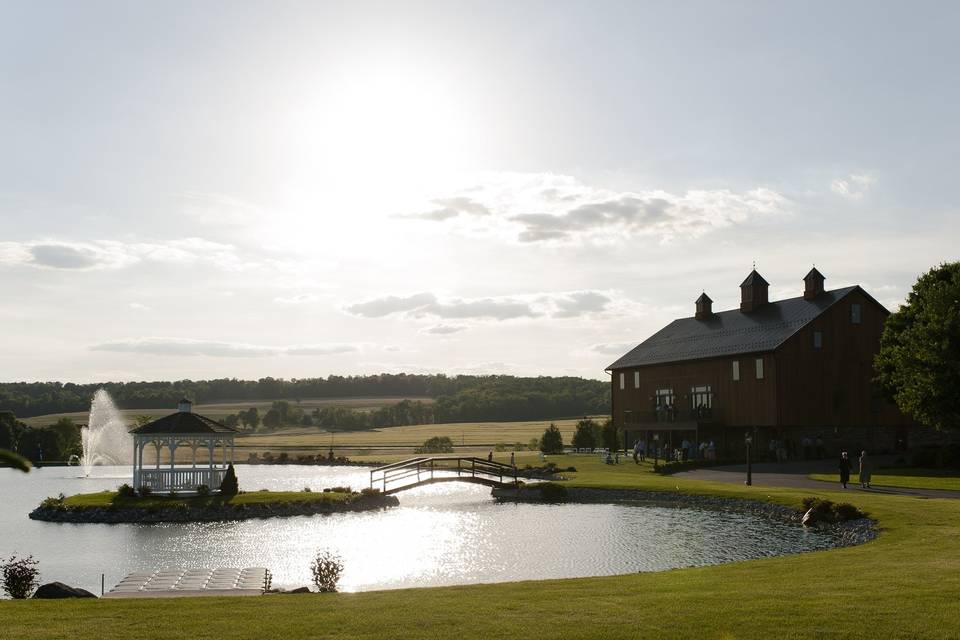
(905, 584)
(909, 477)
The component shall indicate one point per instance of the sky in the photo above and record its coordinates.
(299, 189)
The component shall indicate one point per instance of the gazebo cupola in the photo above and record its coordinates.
(179, 431)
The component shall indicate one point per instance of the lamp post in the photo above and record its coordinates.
(748, 440)
(656, 450)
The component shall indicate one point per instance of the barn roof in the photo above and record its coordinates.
(183, 422)
(731, 332)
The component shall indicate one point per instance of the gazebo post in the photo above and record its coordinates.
(172, 445)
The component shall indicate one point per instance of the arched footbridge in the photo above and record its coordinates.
(417, 472)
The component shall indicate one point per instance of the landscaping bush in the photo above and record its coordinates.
(126, 491)
(552, 440)
(341, 490)
(552, 492)
(827, 511)
(229, 485)
(326, 569)
(20, 577)
(145, 491)
(306, 490)
(436, 444)
(203, 490)
(53, 502)
(370, 491)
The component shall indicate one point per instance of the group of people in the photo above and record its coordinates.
(686, 451)
(781, 450)
(866, 470)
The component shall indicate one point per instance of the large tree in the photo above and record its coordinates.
(918, 366)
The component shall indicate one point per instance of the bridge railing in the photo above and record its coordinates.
(425, 469)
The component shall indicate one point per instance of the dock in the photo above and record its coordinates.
(191, 583)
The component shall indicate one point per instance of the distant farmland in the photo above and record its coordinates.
(217, 410)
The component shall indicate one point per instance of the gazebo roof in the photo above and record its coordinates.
(183, 422)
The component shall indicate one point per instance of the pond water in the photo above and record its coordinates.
(442, 534)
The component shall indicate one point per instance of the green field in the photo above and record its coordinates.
(905, 584)
(217, 410)
(908, 477)
(469, 435)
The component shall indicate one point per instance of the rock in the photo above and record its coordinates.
(54, 590)
(300, 590)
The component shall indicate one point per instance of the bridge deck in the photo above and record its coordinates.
(416, 472)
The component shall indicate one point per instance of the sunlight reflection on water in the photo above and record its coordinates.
(441, 534)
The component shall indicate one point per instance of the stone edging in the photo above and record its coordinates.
(845, 534)
(219, 513)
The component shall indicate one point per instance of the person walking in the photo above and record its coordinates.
(844, 469)
(490, 456)
(865, 470)
(513, 459)
(636, 451)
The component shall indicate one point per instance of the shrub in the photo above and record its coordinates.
(145, 490)
(370, 491)
(20, 577)
(827, 511)
(126, 491)
(229, 486)
(846, 511)
(436, 444)
(552, 440)
(52, 502)
(306, 490)
(341, 490)
(552, 492)
(326, 569)
(203, 490)
(174, 494)
(501, 446)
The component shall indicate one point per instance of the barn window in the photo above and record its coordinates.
(759, 368)
(818, 339)
(636, 379)
(736, 370)
(855, 313)
(623, 380)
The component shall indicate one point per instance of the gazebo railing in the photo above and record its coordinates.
(181, 479)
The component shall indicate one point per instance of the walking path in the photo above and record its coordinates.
(795, 474)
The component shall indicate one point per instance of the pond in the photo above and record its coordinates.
(442, 534)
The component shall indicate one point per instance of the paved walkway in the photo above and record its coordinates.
(794, 474)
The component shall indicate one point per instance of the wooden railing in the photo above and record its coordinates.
(181, 479)
(418, 471)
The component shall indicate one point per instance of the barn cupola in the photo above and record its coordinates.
(184, 406)
(753, 292)
(704, 306)
(813, 284)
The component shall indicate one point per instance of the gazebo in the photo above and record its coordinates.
(183, 429)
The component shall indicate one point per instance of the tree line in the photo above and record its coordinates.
(456, 398)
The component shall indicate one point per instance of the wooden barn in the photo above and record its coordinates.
(795, 371)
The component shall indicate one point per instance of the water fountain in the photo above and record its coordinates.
(105, 439)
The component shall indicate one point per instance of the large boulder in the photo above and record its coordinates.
(53, 590)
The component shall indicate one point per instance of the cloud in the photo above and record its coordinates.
(189, 347)
(853, 186)
(447, 208)
(443, 329)
(612, 348)
(380, 307)
(579, 303)
(546, 208)
(568, 304)
(303, 298)
(109, 254)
